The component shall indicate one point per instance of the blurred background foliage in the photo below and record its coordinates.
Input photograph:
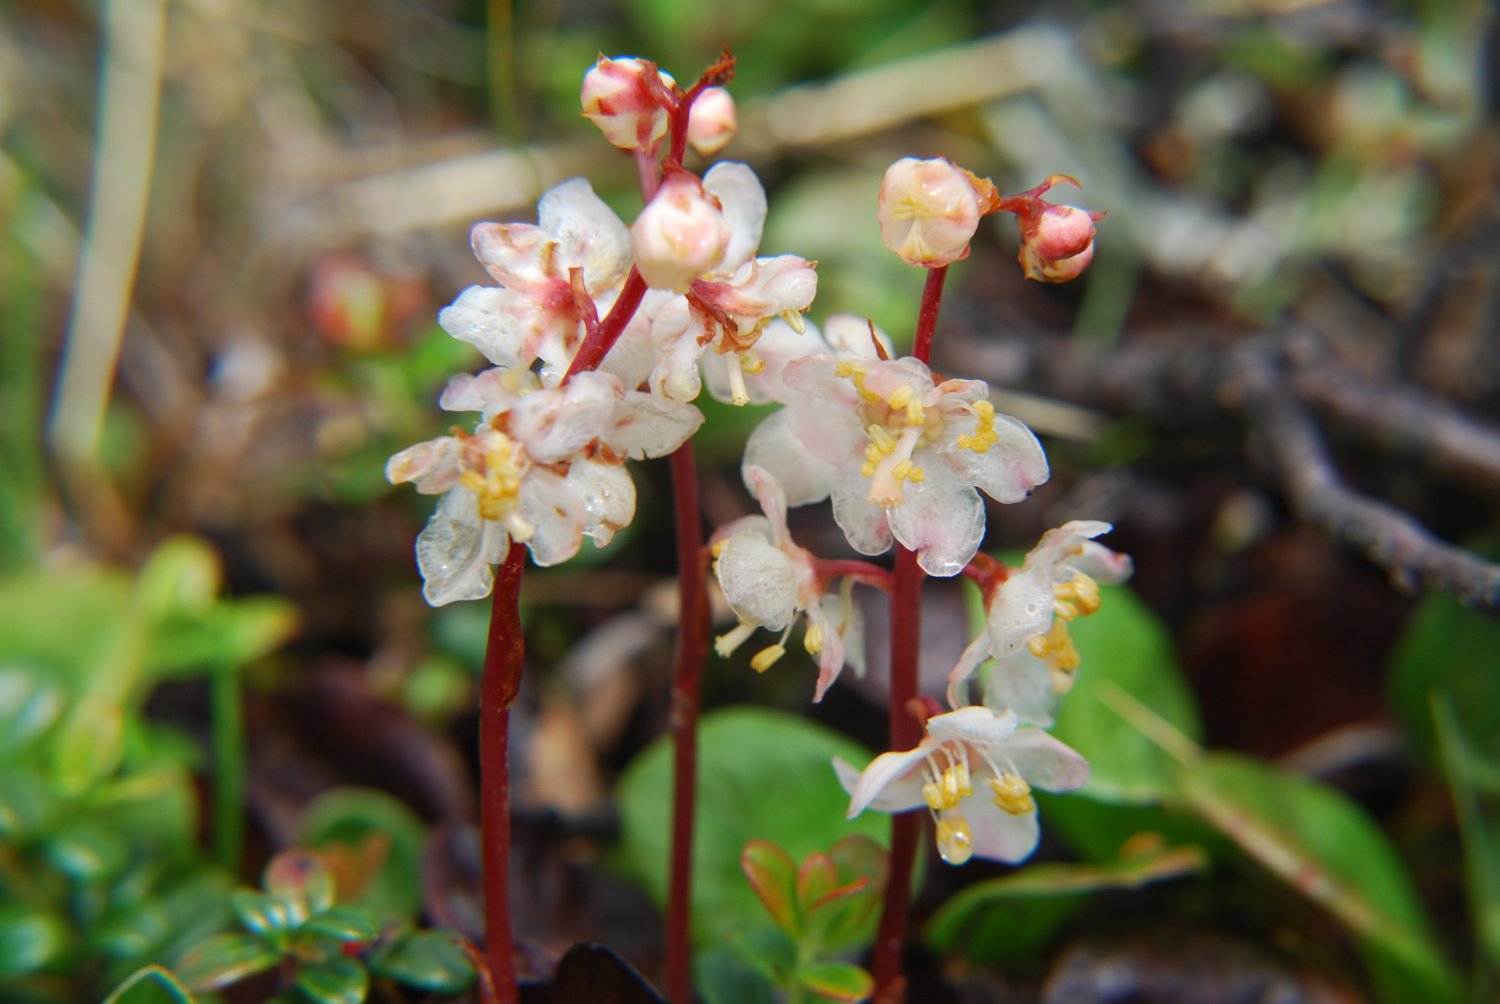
(228, 227)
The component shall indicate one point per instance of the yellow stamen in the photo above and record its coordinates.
(1013, 794)
(766, 658)
(955, 843)
(812, 640)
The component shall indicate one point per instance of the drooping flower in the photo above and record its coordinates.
(1057, 241)
(1026, 627)
(930, 209)
(769, 581)
(628, 99)
(964, 748)
(902, 456)
(544, 466)
(537, 312)
(681, 234)
(712, 121)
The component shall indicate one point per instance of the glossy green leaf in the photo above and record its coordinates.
(1450, 652)
(761, 774)
(773, 876)
(29, 939)
(1321, 844)
(817, 879)
(346, 820)
(338, 980)
(30, 705)
(1017, 914)
(261, 914)
(152, 985)
(225, 959)
(836, 981)
(424, 960)
(848, 919)
(1128, 667)
(346, 922)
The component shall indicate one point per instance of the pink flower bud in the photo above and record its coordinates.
(1057, 242)
(627, 99)
(929, 209)
(680, 235)
(712, 121)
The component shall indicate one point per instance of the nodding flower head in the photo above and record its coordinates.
(629, 99)
(929, 210)
(1057, 242)
(680, 235)
(712, 121)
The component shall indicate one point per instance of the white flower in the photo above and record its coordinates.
(535, 313)
(961, 749)
(680, 235)
(769, 580)
(727, 308)
(1026, 630)
(928, 211)
(545, 466)
(627, 98)
(900, 455)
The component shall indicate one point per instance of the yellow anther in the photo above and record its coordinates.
(752, 364)
(812, 640)
(933, 795)
(956, 783)
(901, 470)
(1013, 794)
(915, 413)
(954, 841)
(730, 640)
(916, 475)
(1038, 646)
(844, 368)
(718, 547)
(793, 319)
(984, 411)
(881, 439)
(872, 453)
(900, 397)
(1064, 609)
(766, 658)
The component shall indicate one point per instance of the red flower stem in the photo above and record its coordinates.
(859, 571)
(692, 650)
(906, 729)
(932, 295)
(592, 351)
(503, 655)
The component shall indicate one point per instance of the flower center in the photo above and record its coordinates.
(1076, 598)
(492, 466)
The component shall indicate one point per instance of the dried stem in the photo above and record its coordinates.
(692, 649)
(503, 656)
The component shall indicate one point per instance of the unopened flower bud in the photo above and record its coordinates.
(712, 121)
(624, 98)
(929, 209)
(680, 235)
(1057, 242)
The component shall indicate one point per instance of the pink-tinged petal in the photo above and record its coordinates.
(999, 836)
(1044, 762)
(489, 392)
(849, 335)
(556, 515)
(456, 548)
(758, 581)
(589, 234)
(1060, 543)
(493, 320)
(1022, 683)
(941, 518)
(891, 783)
(864, 524)
(972, 658)
(744, 206)
(1020, 608)
(608, 497)
(851, 625)
(816, 376)
(645, 425)
(1106, 567)
(764, 287)
(972, 724)
(772, 501)
(751, 524)
(1010, 468)
(774, 446)
(432, 467)
(632, 356)
(831, 656)
(514, 253)
(555, 424)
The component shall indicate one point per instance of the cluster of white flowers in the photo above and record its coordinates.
(903, 455)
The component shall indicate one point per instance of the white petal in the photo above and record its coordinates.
(493, 320)
(941, 518)
(772, 501)
(774, 446)
(556, 515)
(972, 724)
(1044, 762)
(864, 524)
(1020, 608)
(1010, 468)
(632, 356)
(744, 205)
(646, 425)
(999, 836)
(555, 424)
(831, 657)
(432, 467)
(608, 496)
(456, 548)
(758, 581)
(973, 656)
(891, 783)
(588, 232)
(1023, 683)
(849, 334)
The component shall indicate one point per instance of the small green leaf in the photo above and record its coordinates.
(724, 976)
(261, 914)
(849, 919)
(87, 853)
(29, 706)
(1448, 650)
(339, 980)
(152, 985)
(346, 922)
(816, 880)
(89, 744)
(1322, 845)
(180, 578)
(1017, 914)
(837, 981)
(29, 939)
(773, 875)
(1478, 827)
(225, 959)
(424, 960)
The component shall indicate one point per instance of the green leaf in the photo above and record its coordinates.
(303, 881)
(762, 774)
(1452, 652)
(1126, 651)
(89, 745)
(262, 915)
(181, 578)
(724, 976)
(1481, 842)
(773, 875)
(848, 919)
(1322, 845)
(424, 960)
(29, 706)
(87, 853)
(339, 980)
(29, 939)
(360, 820)
(225, 959)
(837, 981)
(346, 922)
(152, 985)
(817, 879)
(1018, 914)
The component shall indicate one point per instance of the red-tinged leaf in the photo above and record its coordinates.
(225, 959)
(301, 877)
(773, 875)
(816, 879)
(837, 981)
